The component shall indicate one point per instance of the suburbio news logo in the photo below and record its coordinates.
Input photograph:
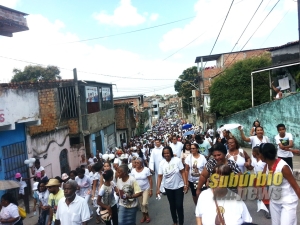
(249, 186)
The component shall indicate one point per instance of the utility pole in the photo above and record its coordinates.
(201, 85)
(78, 106)
(298, 2)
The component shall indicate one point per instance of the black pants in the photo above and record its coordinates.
(175, 198)
(114, 217)
(289, 161)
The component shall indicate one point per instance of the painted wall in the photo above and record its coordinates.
(10, 137)
(14, 107)
(270, 114)
(48, 148)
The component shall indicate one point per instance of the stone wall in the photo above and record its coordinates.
(269, 114)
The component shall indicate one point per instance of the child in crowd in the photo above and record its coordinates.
(259, 166)
(106, 199)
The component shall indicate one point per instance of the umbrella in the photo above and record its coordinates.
(186, 126)
(8, 184)
(189, 133)
(230, 126)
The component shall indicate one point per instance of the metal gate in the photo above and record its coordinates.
(13, 160)
(64, 162)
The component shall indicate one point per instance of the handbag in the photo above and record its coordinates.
(22, 212)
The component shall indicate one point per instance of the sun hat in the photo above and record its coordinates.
(53, 182)
(18, 175)
(35, 186)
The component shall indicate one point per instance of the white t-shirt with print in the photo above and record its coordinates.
(196, 166)
(171, 173)
(107, 194)
(142, 178)
(129, 187)
(284, 141)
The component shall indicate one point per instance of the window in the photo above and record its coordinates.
(67, 102)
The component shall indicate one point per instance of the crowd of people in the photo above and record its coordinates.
(119, 182)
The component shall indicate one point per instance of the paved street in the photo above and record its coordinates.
(160, 214)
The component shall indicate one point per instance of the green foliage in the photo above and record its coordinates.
(36, 73)
(231, 91)
(185, 86)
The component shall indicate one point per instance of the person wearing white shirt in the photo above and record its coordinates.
(176, 146)
(285, 143)
(231, 211)
(256, 140)
(155, 159)
(72, 209)
(175, 183)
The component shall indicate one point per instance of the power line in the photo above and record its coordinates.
(221, 27)
(275, 27)
(220, 31)
(192, 40)
(128, 32)
(255, 30)
(98, 74)
(248, 40)
(244, 29)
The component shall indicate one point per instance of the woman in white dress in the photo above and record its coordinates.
(235, 153)
(194, 164)
(284, 209)
(144, 179)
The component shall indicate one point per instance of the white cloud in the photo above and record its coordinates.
(38, 45)
(124, 15)
(9, 3)
(210, 15)
(154, 17)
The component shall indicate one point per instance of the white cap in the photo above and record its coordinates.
(35, 186)
(116, 161)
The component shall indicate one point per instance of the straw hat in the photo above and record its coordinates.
(53, 182)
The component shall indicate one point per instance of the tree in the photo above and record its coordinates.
(184, 86)
(231, 91)
(36, 73)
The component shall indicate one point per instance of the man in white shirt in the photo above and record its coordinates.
(72, 209)
(176, 146)
(155, 159)
(210, 131)
(285, 143)
(207, 138)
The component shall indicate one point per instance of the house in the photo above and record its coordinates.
(15, 118)
(207, 74)
(76, 118)
(136, 103)
(125, 122)
(12, 21)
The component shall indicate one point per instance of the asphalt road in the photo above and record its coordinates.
(160, 214)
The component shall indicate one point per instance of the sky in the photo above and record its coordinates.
(141, 46)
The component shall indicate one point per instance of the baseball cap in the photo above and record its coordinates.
(18, 175)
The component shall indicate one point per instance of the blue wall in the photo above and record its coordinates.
(286, 111)
(7, 138)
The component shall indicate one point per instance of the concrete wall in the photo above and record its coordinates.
(99, 120)
(14, 107)
(48, 147)
(270, 114)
